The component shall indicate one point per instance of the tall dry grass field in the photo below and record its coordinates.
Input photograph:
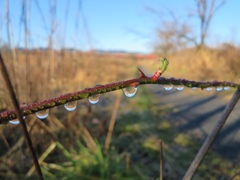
(71, 71)
(207, 64)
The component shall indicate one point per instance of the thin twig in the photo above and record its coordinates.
(111, 124)
(212, 136)
(11, 41)
(20, 117)
(88, 139)
(13, 149)
(43, 156)
(161, 160)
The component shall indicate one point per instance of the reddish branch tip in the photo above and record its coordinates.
(156, 76)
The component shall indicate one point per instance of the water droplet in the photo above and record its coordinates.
(219, 88)
(194, 88)
(42, 114)
(168, 87)
(14, 122)
(179, 87)
(71, 106)
(226, 88)
(209, 89)
(94, 98)
(130, 91)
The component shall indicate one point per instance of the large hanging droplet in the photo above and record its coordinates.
(42, 114)
(219, 88)
(179, 87)
(209, 89)
(168, 87)
(130, 91)
(14, 122)
(71, 106)
(94, 98)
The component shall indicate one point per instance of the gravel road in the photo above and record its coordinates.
(195, 112)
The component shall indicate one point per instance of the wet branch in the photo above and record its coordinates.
(100, 89)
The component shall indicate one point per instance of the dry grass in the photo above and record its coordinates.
(53, 73)
(207, 64)
(73, 71)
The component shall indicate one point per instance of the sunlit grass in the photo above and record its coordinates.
(141, 122)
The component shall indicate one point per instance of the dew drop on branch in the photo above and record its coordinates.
(94, 98)
(209, 89)
(71, 106)
(16, 121)
(179, 87)
(226, 88)
(168, 87)
(42, 114)
(218, 89)
(130, 91)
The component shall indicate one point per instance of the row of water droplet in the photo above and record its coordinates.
(94, 99)
(169, 87)
(71, 106)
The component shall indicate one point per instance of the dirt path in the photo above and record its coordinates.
(195, 112)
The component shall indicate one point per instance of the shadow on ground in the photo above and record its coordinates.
(196, 114)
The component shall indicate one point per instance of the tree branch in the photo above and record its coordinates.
(101, 89)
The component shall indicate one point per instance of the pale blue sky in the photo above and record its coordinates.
(112, 25)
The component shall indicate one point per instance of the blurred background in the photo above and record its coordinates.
(53, 47)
